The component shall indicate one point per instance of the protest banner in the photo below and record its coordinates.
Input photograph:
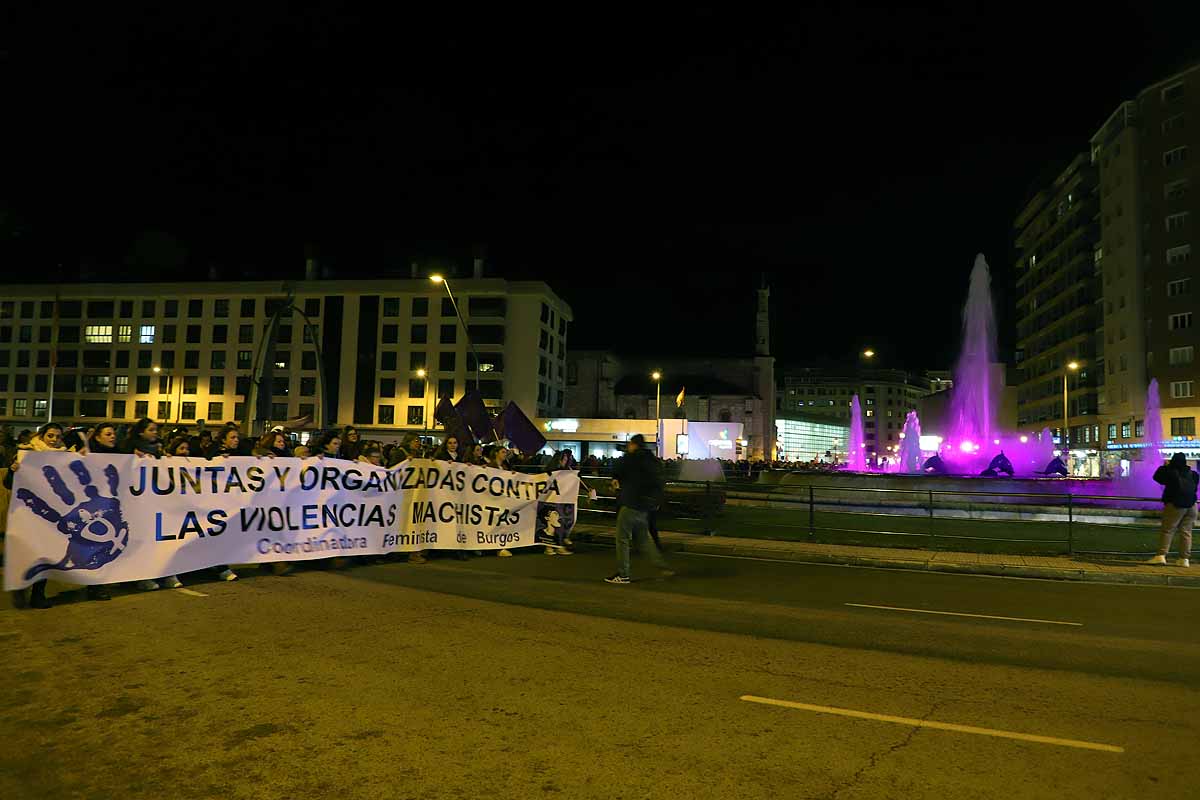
(99, 519)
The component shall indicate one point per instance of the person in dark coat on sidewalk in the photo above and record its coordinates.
(1179, 508)
(638, 479)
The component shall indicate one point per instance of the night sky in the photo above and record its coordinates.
(651, 166)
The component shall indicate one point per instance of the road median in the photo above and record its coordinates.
(1000, 565)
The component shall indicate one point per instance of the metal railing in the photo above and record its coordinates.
(984, 521)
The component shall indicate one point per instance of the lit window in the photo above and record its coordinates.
(98, 334)
(146, 335)
(125, 334)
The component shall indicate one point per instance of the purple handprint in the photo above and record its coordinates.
(95, 529)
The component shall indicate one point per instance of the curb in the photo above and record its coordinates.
(781, 552)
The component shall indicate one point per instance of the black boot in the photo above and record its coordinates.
(37, 596)
(98, 593)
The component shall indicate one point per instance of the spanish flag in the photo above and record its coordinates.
(679, 397)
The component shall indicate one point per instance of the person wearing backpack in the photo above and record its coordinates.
(1179, 507)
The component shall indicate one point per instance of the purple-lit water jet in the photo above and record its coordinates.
(856, 456)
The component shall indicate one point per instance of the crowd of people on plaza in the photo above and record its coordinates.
(150, 439)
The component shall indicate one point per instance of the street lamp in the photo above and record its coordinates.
(436, 278)
(424, 376)
(656, 376)
(868, 353)
(1072, 366)
(179, 399)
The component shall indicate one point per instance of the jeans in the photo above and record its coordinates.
(631, 523)
(1177, 519)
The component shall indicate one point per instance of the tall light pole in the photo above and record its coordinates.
(436, 278)
(174, 380)
(656, 376)
(424, 376)
(1070, 367)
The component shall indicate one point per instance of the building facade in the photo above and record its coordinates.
(604, 385)
(1059, 317)
(1148, 159)
(187, 351)
(885, 396)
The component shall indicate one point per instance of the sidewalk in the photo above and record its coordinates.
(1094, 570)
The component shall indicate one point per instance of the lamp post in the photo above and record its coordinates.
(1066, 436)
(868, 354)
(436, 278)
(424, 376)
(656, 376)
(179, 401)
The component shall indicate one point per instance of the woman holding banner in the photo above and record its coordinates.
(225, 444)
(142, 439)
(48, 439)
(496, 457)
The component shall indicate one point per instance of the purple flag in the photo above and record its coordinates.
(448, 415)
(519, 430)
(475, 414)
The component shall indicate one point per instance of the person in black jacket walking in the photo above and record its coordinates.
(638, 479)
(1179, 508)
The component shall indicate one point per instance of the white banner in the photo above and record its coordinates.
(109, 518)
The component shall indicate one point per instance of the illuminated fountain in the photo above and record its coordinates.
(1143, 473)
(856, 456)
(973, 405)
(910, 445)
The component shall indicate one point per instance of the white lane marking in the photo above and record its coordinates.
(941, 726)
(930, 571)
(962, 614)
(192, 592)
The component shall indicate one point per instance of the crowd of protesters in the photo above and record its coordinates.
(150, 439)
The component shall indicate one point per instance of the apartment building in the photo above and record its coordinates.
(387, 350)
(1059, 319)
(1148, 159)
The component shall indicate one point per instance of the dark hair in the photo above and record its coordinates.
(101, 426)
(324, 439)
(225, 431)
(42, 429)
(173, 447)
(371, 447)
(637, 439)
(140, 426)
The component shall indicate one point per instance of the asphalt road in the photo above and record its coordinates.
(529, 677)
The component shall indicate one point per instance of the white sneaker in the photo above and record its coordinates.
(227, 575)
(1183, 562)
(562, 551)
(147, 585)
(1158, 560)
(172, 582)
(504, 553)
(550, 551)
